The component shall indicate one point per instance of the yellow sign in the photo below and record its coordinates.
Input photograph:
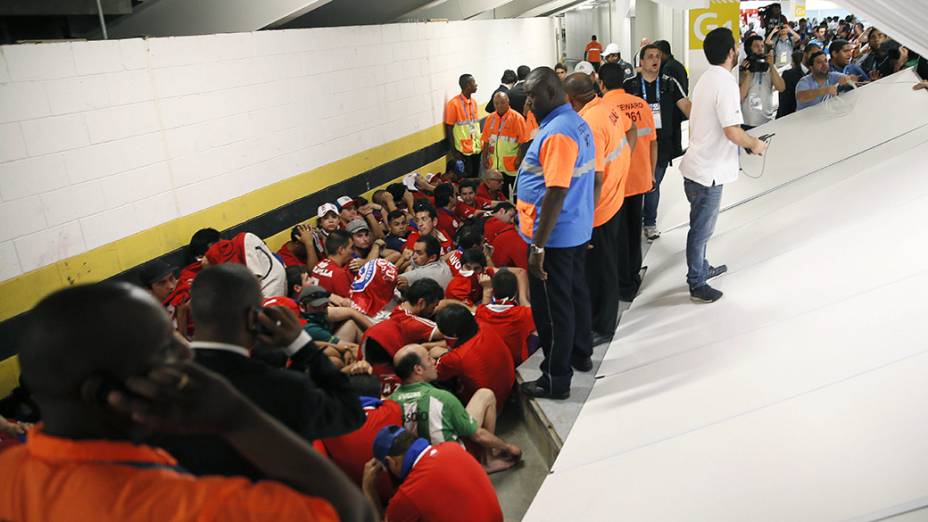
(799, 8)
(720, 13)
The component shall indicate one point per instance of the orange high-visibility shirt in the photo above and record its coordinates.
(462, 113)
(639, 173)
(51, 478)
(613, 154)
(502, 136)
(593, 50)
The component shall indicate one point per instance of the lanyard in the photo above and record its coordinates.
(466, 106)
(657, 89)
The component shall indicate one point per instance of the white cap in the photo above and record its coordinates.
(344, 201)
(584, 67)
(612, 48)
(430, 176)
(410, 181)
(325, 208)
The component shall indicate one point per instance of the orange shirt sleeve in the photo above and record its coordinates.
(647, 122)
(558, 155)
(451, 112)
(525, 131)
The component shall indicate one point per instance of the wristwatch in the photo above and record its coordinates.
(537, 249)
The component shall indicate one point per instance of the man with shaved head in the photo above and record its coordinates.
(505, 138)
(613, 136)
(555, 204)
(104, 366)
(438, 416)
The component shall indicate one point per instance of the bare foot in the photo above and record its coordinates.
(495, 465)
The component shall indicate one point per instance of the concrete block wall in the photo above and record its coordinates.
(100, 140)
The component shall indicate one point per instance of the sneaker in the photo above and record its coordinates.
(583, 364)
(651, 233)
(715, 271)
(704, 294)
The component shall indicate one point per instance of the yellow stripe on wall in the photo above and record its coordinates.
(9, 375)
(23, 292)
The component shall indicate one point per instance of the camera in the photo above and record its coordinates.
(758, 64)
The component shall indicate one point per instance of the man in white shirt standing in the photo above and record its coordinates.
(712, 158)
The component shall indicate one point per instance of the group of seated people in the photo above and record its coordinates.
(355, 374)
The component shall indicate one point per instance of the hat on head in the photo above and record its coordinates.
(325, 208)
(584, 67)
(430, 176)
(356, 225)
(285, 302)
(345, 202)
(155, 271)
(314, 295)
(410, 181)
(612, 48)
(383, 442)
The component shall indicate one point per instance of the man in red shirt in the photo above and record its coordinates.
(490, 189)
(427, 224)
(500, 231)
(446, 204)
(471, 285)
(512, 322)
(438, 483)
(332, 272)
(407, 324)
(347, 209)
(468, 193)
(300, 250)
(478, 358)
(352, 451)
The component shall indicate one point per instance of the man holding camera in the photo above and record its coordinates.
(783, 40)
(759, 77)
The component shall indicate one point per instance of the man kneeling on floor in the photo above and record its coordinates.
(440, 482)
(438, 416)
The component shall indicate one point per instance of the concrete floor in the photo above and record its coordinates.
(516, 487)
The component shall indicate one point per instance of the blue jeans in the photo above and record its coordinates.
(704, 212)
(651, 199)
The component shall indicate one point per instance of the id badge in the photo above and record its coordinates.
(656, 109)
(755, 102)
(784, 58)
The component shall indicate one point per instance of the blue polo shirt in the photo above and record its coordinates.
(561, 155)
(808, 82)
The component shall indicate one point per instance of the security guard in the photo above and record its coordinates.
(462, 126)
(504, 135)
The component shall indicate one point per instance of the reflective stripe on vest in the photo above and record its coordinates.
(466, 133)
(504, 149)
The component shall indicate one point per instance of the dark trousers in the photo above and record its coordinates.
(602, 275)
(472, 166)
(508, 187)
(561, 308)
(629, 246)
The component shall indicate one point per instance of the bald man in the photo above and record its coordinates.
(99, 409)
(613, 136)
(505, 139)
(438, 416)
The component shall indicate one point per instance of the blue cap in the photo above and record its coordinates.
(459, 166)
(384, 441)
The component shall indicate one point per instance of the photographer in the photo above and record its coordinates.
(759, 77)
(783, 40)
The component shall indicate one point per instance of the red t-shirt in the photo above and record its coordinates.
(464, 211)
(492, 227)
(336, 279)
(446, 484)
(400, 329)
(466, 288)
(483, 361)
(447, 222)
(287, 257)
(483, 193)
(513, 323)
(454, 263)
(351, 451)
(509, 249)
(446, 244)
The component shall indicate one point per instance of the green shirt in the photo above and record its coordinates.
(433, 414)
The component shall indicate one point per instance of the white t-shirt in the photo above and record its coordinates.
(711, 157)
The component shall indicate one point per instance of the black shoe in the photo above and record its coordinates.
(582, 365)
(705, 294)
(715, 271)
(537, 390)
(601, 338)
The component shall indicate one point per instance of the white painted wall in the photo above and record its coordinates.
(100, 140)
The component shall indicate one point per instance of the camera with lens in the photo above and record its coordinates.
(758, 63)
